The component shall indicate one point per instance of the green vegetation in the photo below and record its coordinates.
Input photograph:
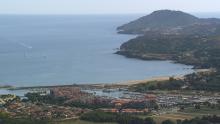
(183, 119)
(168, 122)
(98, 116)
(168, 21)
(204, 120)
(195, 81)
(6, 119)
(201, 51)
(203, 110)
(79, 122)
(173, 117)
(171, 84)
(159, 20)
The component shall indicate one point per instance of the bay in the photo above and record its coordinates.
(43, 50)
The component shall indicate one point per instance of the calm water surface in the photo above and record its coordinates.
(51, 50)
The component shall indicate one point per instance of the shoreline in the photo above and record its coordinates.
(114, 84)
(164, 78)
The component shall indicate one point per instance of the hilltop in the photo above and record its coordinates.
(164, 20)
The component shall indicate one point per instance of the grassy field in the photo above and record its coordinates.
(171, 116)
(78, 122)
(204, 110)
(160, 118)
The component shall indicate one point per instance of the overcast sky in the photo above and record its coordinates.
(104, 6)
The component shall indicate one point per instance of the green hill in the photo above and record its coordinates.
(163, 20)
(177, 36)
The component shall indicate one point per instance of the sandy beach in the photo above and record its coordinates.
(122, 83)
(160, 78)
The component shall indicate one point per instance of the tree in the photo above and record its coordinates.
(178, 121)
(218, 104)
(168, 122)
(197, 106)
(156, 106)
(182, 108)
(149, 121)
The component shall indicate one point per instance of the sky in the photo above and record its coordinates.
(104, 6)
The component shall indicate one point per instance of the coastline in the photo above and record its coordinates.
(162, 78)
(121, 84)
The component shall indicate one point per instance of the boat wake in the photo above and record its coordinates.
(25, 45)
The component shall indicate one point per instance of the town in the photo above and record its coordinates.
(65, 103)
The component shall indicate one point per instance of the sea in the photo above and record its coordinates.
(46, 50)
